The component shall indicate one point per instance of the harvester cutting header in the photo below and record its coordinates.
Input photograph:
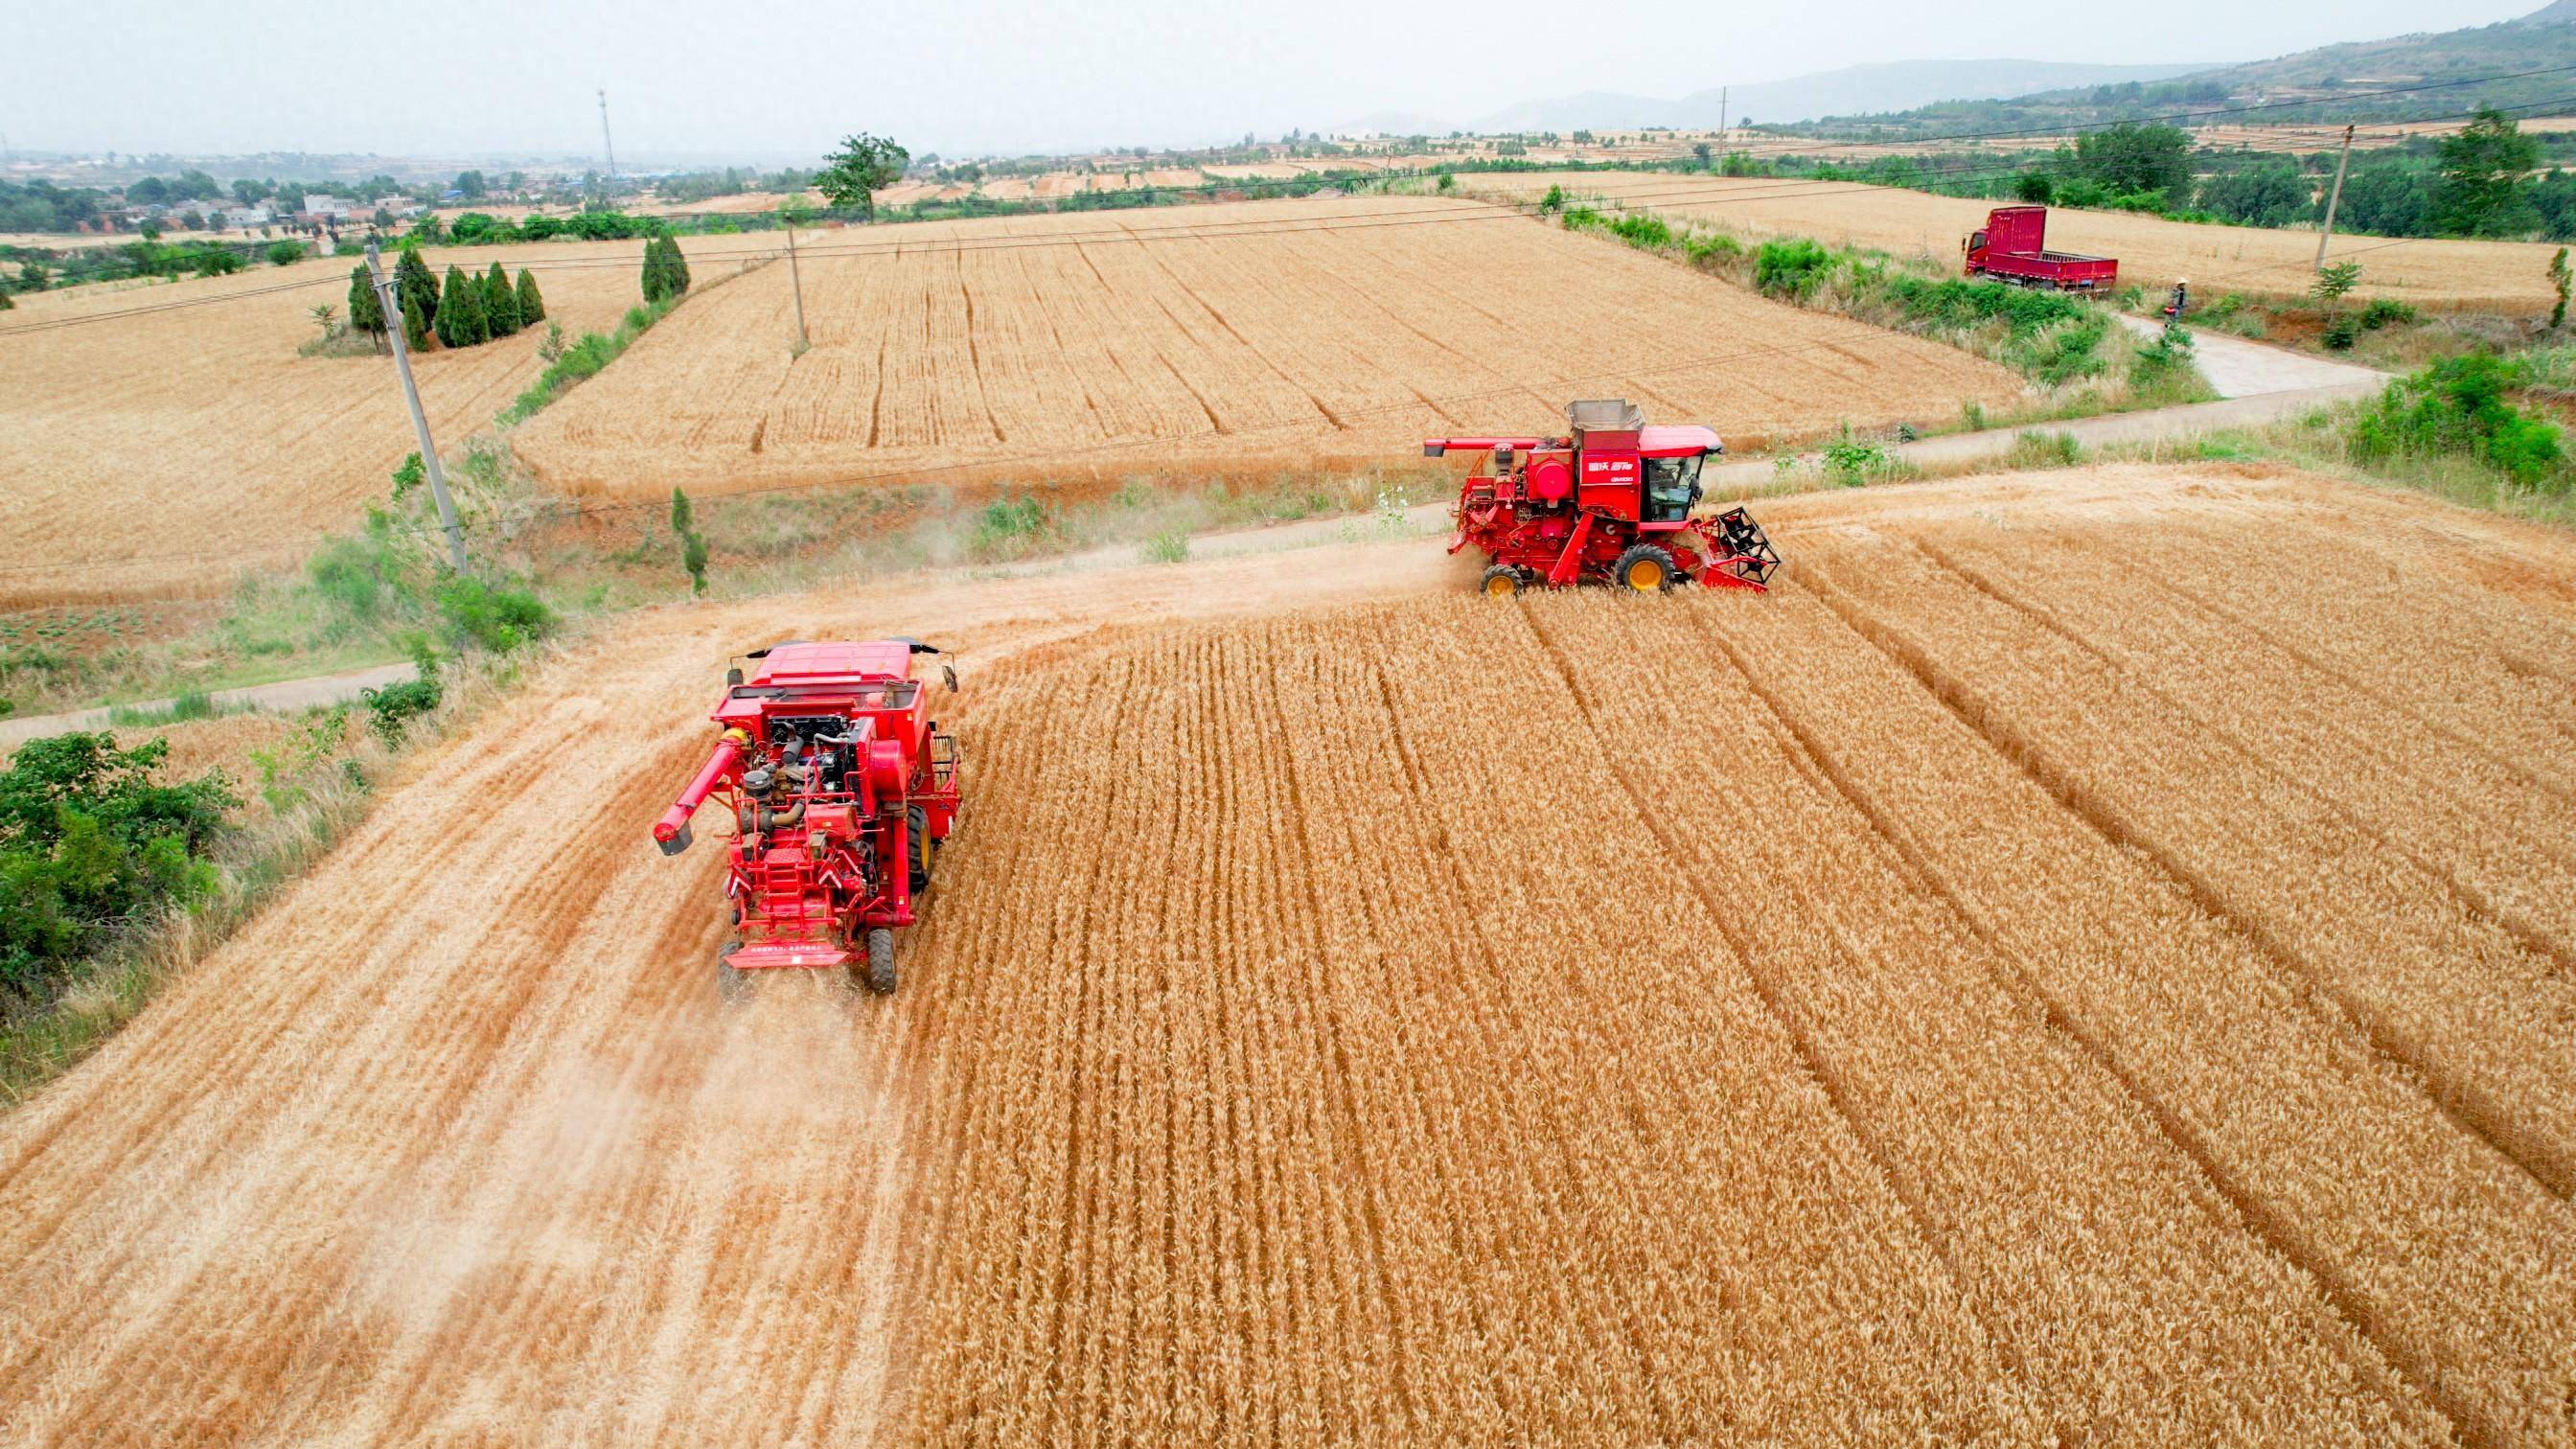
(840, 786)
(1610, 500)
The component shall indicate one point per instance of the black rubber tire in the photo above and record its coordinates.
(919, 846)
(733, 987)
(1499, 581)
(881, 961)
(1624, 573)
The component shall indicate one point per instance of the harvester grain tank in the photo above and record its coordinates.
(1609, 500)
(840, 787)
(2013, 247)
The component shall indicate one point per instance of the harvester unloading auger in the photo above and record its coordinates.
(1610, 500)
(840, 786)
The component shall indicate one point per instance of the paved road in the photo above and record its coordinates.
(2239, 368)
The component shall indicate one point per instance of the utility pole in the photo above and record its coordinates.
(1721, 118)
(798, 279)
(605, 142)
(391, 305)
(2334, 198)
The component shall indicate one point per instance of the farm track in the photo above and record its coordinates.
(2029, 979)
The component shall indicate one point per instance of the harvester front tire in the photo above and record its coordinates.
(1500, 581)
(733, 986)
(1645, 569)
(881, 961)
(918, 846)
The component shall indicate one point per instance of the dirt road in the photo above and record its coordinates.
(2033, 977)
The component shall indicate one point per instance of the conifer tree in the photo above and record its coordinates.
(460, 311)
(415, 327)
(532, 305)
(676, 263)
(415, 284)
(366, 314)
(500, 302)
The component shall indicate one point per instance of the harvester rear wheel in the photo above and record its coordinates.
(733, 986)
(881, 961)
(1645, 568)
(918, 846)
(1500, 581)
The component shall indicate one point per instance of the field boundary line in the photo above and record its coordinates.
(2479, 906)
(1810, 1057)
(2076, 797)
(2013, 974)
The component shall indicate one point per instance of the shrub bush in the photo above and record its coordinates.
(2457, 407)
(88, 840)
(497, 617)
(1793, 266)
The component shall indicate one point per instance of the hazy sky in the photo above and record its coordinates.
(518, 75)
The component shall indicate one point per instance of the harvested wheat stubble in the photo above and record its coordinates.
(1218, 341)
(1420, 1019)
(2152, 251)
(149, 454)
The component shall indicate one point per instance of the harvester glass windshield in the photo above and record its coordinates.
(1672, 485)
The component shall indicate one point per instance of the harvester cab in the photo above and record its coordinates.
(840, 787)
(1612, 499)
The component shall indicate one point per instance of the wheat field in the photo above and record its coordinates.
(2038, 976)
(2441, 275)
(1246, 337)
(174, 446)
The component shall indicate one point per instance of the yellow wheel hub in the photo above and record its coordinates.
(1499, 585)
(1645, 576)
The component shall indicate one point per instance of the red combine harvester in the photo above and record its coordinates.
(840, 786)
(1610, 500)
(2013, 247)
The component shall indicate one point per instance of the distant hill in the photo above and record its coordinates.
(2334, 77)
(1892, 85)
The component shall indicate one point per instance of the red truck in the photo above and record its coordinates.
(2013, 247)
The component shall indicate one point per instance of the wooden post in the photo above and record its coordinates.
(2334, 199)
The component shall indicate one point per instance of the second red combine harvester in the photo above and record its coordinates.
(840, 787)
(1611, 500)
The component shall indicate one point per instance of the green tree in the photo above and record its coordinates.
(2034, 187)
(33, 278)
(676, 265)
(461, 322)
(2561, 280)
(415, 326)
(532, 305)
(2272, 194)
(2132, 158)
(416, 284)
(366, 314)
(2479, 189)
(5, 304)
(2335, 282)
(863, 166)
(471, 184)
(500, 302)
(693, 545)
(88, 839)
